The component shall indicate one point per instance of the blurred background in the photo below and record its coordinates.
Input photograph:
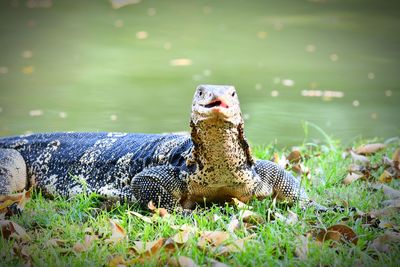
(132, 66)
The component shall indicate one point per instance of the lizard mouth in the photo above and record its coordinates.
(216, 103)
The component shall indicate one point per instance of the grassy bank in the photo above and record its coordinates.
(78, 232)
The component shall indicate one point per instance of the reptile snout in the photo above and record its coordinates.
(217, 102)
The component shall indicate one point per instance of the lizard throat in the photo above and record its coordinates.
(219, 146)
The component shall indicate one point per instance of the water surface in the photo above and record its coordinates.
(84, 66)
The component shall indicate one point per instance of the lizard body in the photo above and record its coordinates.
(214, 162)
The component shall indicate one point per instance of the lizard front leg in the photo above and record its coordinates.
(284, 185)
(161, 184)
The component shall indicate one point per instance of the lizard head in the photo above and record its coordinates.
(216, 103)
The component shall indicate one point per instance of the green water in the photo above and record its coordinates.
(83, 66)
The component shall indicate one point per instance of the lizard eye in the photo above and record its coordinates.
(200, 93)
(233, 94)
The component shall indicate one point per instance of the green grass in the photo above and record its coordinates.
(274, 243)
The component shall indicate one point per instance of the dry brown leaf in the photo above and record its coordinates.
(385, 212)
(294, 156)
(359, 158)
(339, 233)
(17, 197)
(383, 242)
(235, 246)
(182, 237)
(351, 177)
(22, 251)
(251, 217)
(214, 238)
(387, 190)
(186, 262)
(12, 230)
(369, 148)
(150, 247)
(140, 216)
(162, 212)
(4, 205)
(356, 168)
(87, 241)
(117, 232)
(385, 177)
(117, 261)
(20, 198)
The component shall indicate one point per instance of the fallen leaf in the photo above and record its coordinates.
(251, 217)
(186, 262)
(301, 250)
(234, 247)
(383, 242)
(150, 247)
(351, 177)
(339, 233)
(117, 232)
(117, 261)
(359, 158)
(385, 212)
(385, 177)
(214, 238)
(162, 212)
(184, 227)
(356, 168)
(140, 216)
(182, 237)
(4, 205)
(233, 225)
(283, 162)
(294, 156)
(12, 230)
(215, 263)
(387, 190)
(240, 205)
(386, 225)
(392, 203)
(369, 148)
(20, 198)
(293, 218)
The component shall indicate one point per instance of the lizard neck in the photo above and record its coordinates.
(221, 145)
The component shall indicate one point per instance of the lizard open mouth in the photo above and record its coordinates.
(216, 103)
